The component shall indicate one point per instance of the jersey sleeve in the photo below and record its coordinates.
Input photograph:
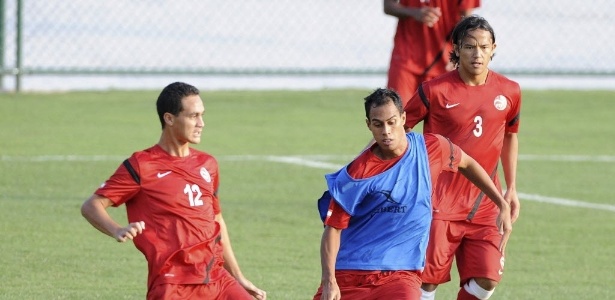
(215, 174)
(417, 108)
(121, 186)
(336, 216)
(443, 155)
(513, 117)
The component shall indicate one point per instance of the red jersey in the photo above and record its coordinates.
(442, 155)
(176, 198)
(475, 118)
(417, 46)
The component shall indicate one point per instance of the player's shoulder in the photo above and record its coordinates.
(501, 79)
(448, 77)
(203, 157)
(201, 153)
(147, 154)
(443, 83)
(434, 138)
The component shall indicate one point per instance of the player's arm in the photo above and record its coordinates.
(424, 14)
(509, 157)
(231, 265)
(329, 248)
(467, 7)
(474, 172)
(417, 108)
(95, 211)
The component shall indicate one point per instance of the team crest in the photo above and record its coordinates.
(205, 174)
(500, 102)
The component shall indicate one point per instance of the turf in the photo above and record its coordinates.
(57, 148)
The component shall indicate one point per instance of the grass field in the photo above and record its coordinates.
(274, 148)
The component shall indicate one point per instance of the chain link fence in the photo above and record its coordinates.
(279, 37)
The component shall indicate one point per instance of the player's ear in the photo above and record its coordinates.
(168, 118)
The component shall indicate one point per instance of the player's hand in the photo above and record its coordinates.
(504, 223)
(252, 289)
(330, 291)
(515, 205)
(430, 15)
(129, 232)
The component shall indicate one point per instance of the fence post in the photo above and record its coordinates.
(18, 46)
(2, 35)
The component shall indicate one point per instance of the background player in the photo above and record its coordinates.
(422, 40)
(478, 109)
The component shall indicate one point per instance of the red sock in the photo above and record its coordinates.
(464, 295)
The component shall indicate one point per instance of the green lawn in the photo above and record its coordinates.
(55, 149)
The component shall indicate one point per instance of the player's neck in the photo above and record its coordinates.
(173, 147)
(473, 79)
(390, 154)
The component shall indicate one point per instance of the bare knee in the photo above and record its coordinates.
(429, 287)
(486, 284)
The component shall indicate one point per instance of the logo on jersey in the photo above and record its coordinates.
(160, 175)
(451, 105)
(205, 174)
(396, 208)
(500, 102)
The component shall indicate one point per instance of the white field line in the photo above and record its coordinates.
(315, 161)
(531, 197)
(566, 202)
(568, 158)
(290, 158)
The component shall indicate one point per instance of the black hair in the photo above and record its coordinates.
(381, 97)
(170, 99)
(469, 23)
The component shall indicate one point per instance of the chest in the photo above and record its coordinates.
(466, 108)
(179, 186)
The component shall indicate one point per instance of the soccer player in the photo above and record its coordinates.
(377, 210)
(171, 196)
(478, 109)
(422, 40)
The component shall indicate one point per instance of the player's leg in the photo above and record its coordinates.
(443, 243)
(479, 261)
(473, 291)
(402, 80)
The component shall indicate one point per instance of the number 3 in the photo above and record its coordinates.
(478, 130)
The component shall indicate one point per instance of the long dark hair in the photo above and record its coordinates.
(462, 28)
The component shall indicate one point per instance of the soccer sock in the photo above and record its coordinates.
(473, 291)
(425, 295)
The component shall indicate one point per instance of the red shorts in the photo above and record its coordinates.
(365, 285)
(403, 81)
(227, 288)
(475, 248)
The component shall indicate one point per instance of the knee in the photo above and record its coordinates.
(480, 288)
(486, 284)
(429, 287)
